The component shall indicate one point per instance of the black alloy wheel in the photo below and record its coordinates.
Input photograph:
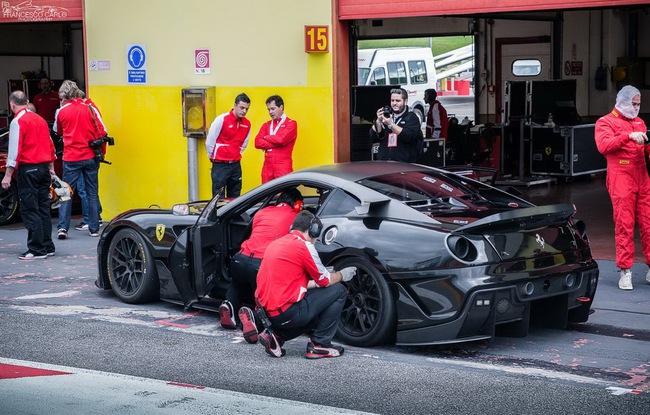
(131, 269)
(368, 317)
(9, 204)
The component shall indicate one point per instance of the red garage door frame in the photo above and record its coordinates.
(385, 9)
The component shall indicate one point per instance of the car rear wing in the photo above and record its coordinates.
(521, 219)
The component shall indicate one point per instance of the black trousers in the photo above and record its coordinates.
(33, 193)
(243, 274)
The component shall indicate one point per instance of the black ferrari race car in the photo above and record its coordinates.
(442, 257)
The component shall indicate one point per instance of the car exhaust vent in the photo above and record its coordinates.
(528, 288)
(462, 248)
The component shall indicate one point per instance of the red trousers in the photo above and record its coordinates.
(629, 189)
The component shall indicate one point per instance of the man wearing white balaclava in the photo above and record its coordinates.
(621, 138)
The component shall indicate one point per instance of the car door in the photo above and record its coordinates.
(196, 258)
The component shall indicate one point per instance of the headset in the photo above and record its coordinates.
(315, 227)
(298, 205)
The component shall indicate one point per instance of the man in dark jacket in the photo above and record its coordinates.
(398, 130)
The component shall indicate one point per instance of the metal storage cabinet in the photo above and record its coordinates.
(433, 152)
(565, 151)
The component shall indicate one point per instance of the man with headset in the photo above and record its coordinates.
(298, 293)
(269, 223)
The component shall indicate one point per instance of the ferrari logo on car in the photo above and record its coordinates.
(548, 150)
(539, 240)
(160, 232)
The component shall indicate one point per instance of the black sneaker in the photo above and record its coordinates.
(227, 316)
(271, 344)
(315, 351)
(50, 253)
(28, 255)
(62, 234)
(249, 328)
(81, 227)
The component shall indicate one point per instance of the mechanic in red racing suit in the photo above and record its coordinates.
(269, 223)
(298, 293)
(621, 138)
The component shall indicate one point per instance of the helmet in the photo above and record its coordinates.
(60, 192)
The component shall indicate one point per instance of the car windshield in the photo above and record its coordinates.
(433, 192)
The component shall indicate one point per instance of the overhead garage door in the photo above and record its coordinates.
(363, 9)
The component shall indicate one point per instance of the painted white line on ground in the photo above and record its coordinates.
(529, 371)
(48, 295)
(93, 392)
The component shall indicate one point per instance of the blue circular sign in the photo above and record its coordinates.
(136, 57)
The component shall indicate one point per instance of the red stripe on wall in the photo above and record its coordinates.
(385, 9)
(14, 11)
(14, 372)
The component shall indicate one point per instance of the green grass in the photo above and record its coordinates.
(438, 44)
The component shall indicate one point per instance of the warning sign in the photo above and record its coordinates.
(202, 61)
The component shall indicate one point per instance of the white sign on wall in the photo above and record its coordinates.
(136, 64)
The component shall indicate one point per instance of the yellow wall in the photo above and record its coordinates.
(257, 49)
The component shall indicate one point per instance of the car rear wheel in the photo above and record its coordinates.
(131, 269)
(8, 204)
(368, 317)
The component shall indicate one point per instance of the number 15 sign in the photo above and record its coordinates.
(317, 39)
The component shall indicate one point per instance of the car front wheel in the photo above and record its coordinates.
(131, 269)
(368, 317)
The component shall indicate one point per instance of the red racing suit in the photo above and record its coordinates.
(47, 104)
(277, 138)
(288, 265)
(269, 224)
(627, 182)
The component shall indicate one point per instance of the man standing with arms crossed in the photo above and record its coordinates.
(31, 153)
(277, 138)
(227, 139)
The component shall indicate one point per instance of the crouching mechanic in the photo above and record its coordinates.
(298, 293)
(270, 223)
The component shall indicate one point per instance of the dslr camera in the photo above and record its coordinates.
(387, 111)
(96, 145)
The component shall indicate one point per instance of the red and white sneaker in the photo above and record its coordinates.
(271, 344)
(316, 351)
(227, 314)
(249, 328)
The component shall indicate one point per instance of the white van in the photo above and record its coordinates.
(390, 66)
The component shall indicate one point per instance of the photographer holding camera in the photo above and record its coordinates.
(80, 124)
(398, 130)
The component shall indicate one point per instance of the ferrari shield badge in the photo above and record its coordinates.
(547, 150)
(160, 232)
